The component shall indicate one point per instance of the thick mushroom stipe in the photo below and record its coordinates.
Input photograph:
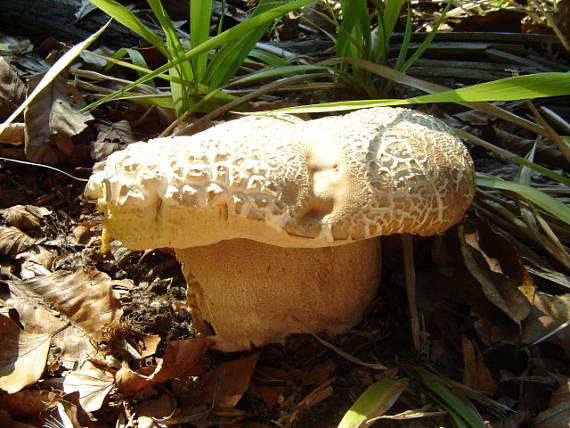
(299, 185)
(279, 290)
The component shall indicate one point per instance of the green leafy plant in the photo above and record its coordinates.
(365, 33)
(196, 71)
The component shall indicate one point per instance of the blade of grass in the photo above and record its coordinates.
(508, 89)
(373, 402)
(230, 56)
(123, 15)
(232, 35)
(427, 41)
(54, 71)
(460, 412)
(508, 155)
(537, 197)
(200, 15)
(180, 91)
(278, 72)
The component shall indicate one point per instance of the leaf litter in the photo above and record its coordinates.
(109, 337)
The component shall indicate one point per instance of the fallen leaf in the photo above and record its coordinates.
(14, 134)
(84, 297)
(225, 385)
(18, 216)
(558, 413)
(14, 241)
(548, 312)
(493, 261)
(476, 374)
(272, 395)
(12, 90)
(28, 403)
(150, 343)
(92, 384)
(52, 119)
(373, 402)
(7, 421)
(70, 344)
(23, 356)
(161, 407)
(111, 138)
(182, 358)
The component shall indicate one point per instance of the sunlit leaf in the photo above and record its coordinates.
(373, 402)
(22, 356)
(461, 413)
(509, 89)
(92, 383)
(54, 71)
(537, 197)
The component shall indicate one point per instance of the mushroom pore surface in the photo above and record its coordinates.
(271, 215)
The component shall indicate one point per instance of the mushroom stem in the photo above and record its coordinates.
(248, 293)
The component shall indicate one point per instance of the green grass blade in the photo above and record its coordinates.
(278, 72)
(508, 89)
(60, 65)
(180, 91)
(537, 197)
(406, 42)
(350, 33)
(232, 35)
(200, 16)
(268, 58)
(123, 15)
(136, 58)
(427, 41)
(373, 402)
(230, 56)
(460, 412)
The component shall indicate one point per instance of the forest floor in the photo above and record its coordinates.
(107, 340)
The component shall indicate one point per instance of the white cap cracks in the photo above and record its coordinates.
(288, 182)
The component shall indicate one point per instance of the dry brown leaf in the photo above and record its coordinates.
(150, 343)
(52, 119)
(36, 261)
(493, 261)
(13, 134)
(225, 385)
(7, 421)
(548, 313)
(23, 356)
(14, 241)
(18, 216)
(182, 358)
(558, 413)
(272, 395)
(476, 374)
(320, 373)
(69, 345)
(92, 384)
(28, 403)
(12, 90)
(161, 407)
(111, 138)
(84, 297)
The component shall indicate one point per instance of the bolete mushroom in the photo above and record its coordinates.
(272, 217)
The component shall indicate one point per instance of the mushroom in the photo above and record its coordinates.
(273, 217)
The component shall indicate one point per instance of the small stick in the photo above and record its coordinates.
(410, 280)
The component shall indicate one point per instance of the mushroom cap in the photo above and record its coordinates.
(287, 182)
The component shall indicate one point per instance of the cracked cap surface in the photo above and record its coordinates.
(288, 182)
